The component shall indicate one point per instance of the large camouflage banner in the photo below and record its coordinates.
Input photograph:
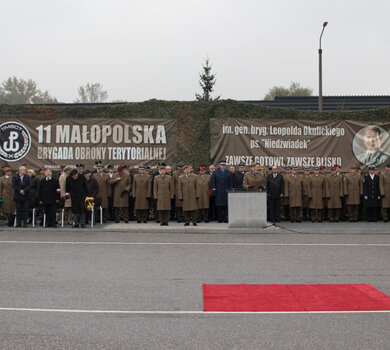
(302, 143)
(55, 142)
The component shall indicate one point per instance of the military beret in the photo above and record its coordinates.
(161, 164)
(120, 168)
(147, 168)
(125, 167)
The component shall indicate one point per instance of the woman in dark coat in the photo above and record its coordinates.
(34, 189)
(75, 186)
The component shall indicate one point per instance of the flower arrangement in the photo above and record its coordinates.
(89, 203)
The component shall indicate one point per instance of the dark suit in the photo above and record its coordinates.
(275, 188)
(371, 194)
(48, 195)
(238, 179)
(21, 200)
(221, 182)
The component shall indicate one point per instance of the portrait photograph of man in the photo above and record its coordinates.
(371, 145)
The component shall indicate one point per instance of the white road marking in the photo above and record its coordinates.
(147, 312)
(205, 243)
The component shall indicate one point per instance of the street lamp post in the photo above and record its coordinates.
(320, 70)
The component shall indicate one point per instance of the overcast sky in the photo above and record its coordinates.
(146, 49)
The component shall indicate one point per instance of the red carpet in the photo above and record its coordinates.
(293, 297)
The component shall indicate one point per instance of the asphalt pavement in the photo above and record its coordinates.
(119, 286)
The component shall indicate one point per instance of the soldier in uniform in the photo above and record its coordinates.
(384, 185)
(238, 176)
(102, 179)
(142, 191)
(122, 187)
(204, 187)
(254, 180)
(80, 168)
(163, 193)
(374, 154)
(178, 204)
(371, 193)
(305, 199)
(317, 191)
(336, 193)
(7, 195)
(188, 193)
(221, 182)
(110, 173)
(293, 190)
(353, 190)
(285, 201)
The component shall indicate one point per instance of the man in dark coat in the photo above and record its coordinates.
(275, 191)
(92, 187)
(221, 182)
(21, 184)
(238, 176)
(371, 193)
(75, 186)
(49, 194)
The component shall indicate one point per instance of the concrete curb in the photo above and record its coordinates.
(357, 228)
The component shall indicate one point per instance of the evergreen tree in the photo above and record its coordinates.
(206, 82)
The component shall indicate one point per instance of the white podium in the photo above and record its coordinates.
(247, 209)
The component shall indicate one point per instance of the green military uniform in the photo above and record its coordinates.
(293, 191)
(336, 193)
(142, 191)
(353, 190)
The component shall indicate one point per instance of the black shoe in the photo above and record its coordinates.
(82, 226)
(24, 225)
(220, 221)
(145, 221)
(139, 221)
(186, 224)
(18, 225)
(75, 226)
(162, 224)
(194, 224)
(117, 221)
(126, 221)
(178, 221)
(206, 221)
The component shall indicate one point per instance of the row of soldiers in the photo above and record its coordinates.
(188, 197)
